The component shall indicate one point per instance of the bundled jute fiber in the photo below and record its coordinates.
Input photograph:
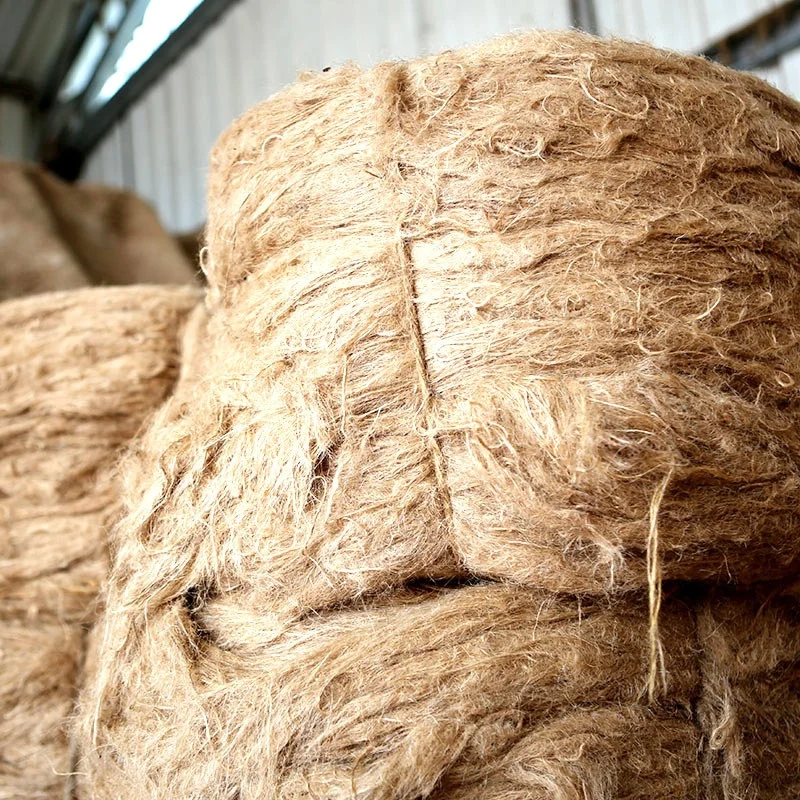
(33, 259)
(56, 236)
(79, 372)
(498, 342)
(115, 234)
(750, 703)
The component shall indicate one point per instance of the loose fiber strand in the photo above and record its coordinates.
(654, 590)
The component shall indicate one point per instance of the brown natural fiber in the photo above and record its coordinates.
(79, 371)
(32, 257)
(599, 242)
(56, 236)
(750, 705)
(509, 321)
(115, 234)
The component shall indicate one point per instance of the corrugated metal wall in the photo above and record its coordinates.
(689, 25)
(14, 130)
(161, 148)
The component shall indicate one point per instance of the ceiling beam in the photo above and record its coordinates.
(117, 42)
(65, 149)
(21, 90)
(78, 30)
(762, 41)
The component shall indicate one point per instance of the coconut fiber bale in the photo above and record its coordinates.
(498, 341)
(750, 702)
(33, 258)
(79, 372)
(114, 233)
(55, 235)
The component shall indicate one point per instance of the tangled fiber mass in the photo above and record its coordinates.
(482, 476)
(79, 372)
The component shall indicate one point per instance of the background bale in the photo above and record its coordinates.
(32, 257)
(114, 233)
(505, 322)
(55, 235)
(79, 371)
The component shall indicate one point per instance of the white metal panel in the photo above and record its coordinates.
(381, 31)
(342, 36)
(791, 68)
(674, 24)
(274, 57)
(246, 25)
(620, 18)
(143, 180)
(685, 25)
(204, 131)
(399, 32)
(158, 101)
(223, 92)
(93, 171)
(520, 14)
(187, 195)
(305, 35)
(111, 158)
(724, 16)
(776, 75)
(452, 23)
(677, 25)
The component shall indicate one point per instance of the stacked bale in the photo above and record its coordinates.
(55, 236)
(115, 234)
(501, 342)
(32, 257)
(749, 708)
(79, 372)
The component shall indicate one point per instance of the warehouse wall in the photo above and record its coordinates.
(161, 148)
(15, 138)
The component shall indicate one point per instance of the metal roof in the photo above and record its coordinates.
(32, 35)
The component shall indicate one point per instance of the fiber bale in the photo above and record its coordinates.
(115, 234)
(608, 753)
(750, 706)
(570, 266)
(79, 371)
(32, 257)
(433, 693)
(41, 665)
(497, 341)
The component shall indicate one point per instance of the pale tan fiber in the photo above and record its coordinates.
(115, 234)
(750, 704)
(603, 240)
(55, 236)
(79, 372)
(497, 386)
(32, 257)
